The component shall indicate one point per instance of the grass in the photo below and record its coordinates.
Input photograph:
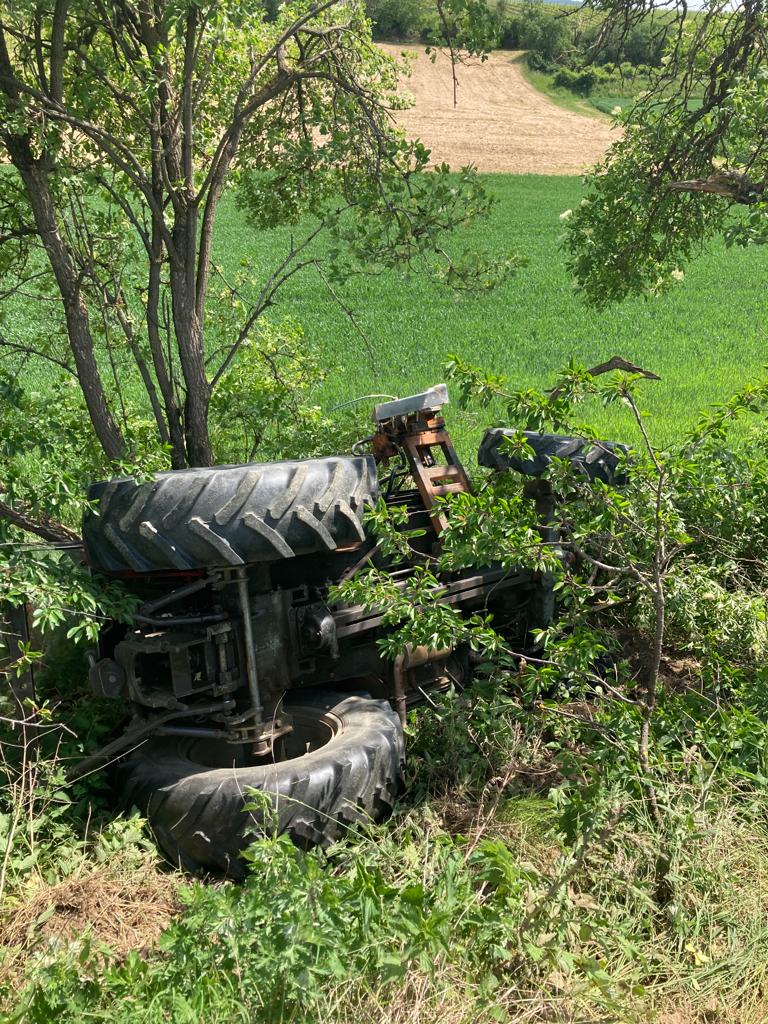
(465, 908)
(609, 104)
(704, 338)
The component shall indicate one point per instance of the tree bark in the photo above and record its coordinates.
(34, 175)
(189, 338)
(46, 528)
(35, 180)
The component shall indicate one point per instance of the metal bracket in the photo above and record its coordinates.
(414, 427)
(426, 401)
(435, 466)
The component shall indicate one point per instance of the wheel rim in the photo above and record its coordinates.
(312, 730)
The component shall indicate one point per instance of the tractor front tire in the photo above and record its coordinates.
(346, 769)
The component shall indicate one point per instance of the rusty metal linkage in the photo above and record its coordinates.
(415, 427)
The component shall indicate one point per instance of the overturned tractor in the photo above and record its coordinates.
(239, 672)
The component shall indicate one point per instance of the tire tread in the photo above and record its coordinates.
(229, 515)
(198, 814)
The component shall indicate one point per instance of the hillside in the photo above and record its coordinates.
(502, 123)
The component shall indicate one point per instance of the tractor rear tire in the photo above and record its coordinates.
(592, 460)
(228, 515)
(348, 770)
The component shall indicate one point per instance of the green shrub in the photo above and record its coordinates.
(581, 82)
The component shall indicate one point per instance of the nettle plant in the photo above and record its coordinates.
(658, 563)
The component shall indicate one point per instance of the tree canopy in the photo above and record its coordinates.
(122, 126)
(691, 159)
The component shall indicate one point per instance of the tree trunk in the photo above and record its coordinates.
(49, 529)
(34, 175)
(35, 180)
(163, 372)
(199, 449)
(189, 339)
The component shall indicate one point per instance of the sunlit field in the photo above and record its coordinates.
(704, 339)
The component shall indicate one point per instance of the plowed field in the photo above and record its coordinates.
(501, 122)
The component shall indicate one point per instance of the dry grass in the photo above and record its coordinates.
(451, 998)
(122, 910)
(717, 1012)
(709, 968)
(706, 964)
(446, 999)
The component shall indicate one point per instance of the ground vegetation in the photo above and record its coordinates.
(583, 829)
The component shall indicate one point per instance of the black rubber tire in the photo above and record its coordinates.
(228, 515)
(595, 460)
(197, 812)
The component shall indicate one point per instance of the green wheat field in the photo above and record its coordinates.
(704, 339)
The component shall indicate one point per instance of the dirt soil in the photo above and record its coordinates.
(501, 122)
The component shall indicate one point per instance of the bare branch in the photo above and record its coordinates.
(731, 185)
(614, 363)
(20, 515)
(30, 351)
(275, 281)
